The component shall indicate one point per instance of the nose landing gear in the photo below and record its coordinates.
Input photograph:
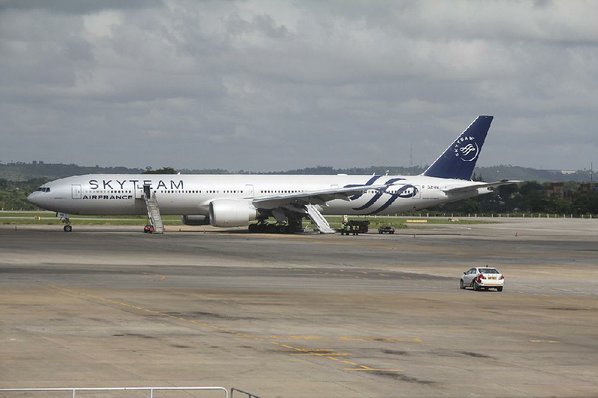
(67, 222)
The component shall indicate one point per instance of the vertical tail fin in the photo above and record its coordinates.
(459, 159)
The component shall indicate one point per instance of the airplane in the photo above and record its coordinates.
(238, 200)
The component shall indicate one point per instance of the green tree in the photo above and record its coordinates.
(163, 170)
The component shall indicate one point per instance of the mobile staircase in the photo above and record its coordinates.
(153, 211)
(318, 219)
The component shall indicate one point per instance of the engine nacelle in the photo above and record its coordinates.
(231, 213)
(195, 220)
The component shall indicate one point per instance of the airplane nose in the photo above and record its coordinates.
(33, 198)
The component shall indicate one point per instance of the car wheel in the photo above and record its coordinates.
(499, 289)
(476, 287)
(461, 284)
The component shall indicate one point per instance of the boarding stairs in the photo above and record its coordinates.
(318, 219)
(153, 212)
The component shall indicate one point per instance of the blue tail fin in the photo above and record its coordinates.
(460, 157)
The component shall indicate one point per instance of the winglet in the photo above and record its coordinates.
(459, 159)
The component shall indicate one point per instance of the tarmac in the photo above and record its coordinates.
(303, 315)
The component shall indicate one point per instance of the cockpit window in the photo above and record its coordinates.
(43, 189)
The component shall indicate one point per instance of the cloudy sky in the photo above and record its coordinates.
(278, 85)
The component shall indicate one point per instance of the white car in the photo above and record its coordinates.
(480, 278)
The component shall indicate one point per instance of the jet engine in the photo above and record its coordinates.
(231, 213)
(195, 220)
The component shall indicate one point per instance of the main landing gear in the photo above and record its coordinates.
(292, 225)
(269, 228)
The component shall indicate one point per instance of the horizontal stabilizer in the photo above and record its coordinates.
(487, 185)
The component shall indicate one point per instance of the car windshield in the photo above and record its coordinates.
(489, 271)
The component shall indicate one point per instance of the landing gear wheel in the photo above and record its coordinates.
(67, 228)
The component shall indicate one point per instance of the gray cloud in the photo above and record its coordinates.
(267, 85)
(77, 7)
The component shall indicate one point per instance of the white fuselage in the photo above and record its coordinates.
(192, 194)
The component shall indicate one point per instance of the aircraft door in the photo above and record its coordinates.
(249, 191)
(76, 192)
(147, 191)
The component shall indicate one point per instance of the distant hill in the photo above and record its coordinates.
(25, 171)
(381, 170)
(496, 173)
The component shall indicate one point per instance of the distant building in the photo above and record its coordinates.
(554, 189)
(587, 187)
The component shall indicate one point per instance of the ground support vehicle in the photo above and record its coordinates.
(349, 229)
(386, 229)
(363, 226)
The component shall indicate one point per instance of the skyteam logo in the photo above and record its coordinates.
(466, 149)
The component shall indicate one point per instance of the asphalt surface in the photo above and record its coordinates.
(303, 315)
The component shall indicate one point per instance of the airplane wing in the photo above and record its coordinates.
(319, 197)
(488, 185)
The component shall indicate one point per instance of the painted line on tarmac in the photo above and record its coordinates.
(334, 356)
(368, 369)
(415, 340)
